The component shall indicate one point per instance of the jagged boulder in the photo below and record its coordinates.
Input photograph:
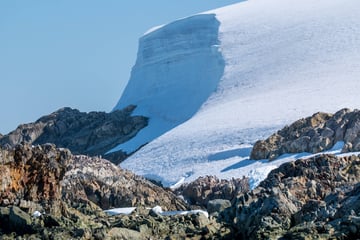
(183, 226)
(313, 134)
(13, 219)
(93, 133)
(217, 206)
(314, 198)
(19, 220)
(204, 189)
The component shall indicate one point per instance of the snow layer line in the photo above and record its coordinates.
(178, 66)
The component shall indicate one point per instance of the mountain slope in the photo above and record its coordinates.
(282, 60)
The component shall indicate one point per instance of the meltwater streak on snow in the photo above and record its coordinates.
(178, 66)
(284, 59)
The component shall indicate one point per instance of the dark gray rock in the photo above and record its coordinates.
(316, 198)
(124, 233)
(51, 221)
(189, 226)
(204, 189)
(217, 206)
(19, 221)
(92, 133)
(4, 217)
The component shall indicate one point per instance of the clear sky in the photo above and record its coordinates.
(75, 53)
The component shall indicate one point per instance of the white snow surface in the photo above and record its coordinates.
(156, 209)
(36, 214)
(214, 83)
(117, 211)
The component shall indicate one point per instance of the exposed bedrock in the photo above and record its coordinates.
(93, 133)
(313, 134)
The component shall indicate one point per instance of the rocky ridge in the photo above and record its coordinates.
(315, 198)
(93, 133)
(109, 186)
(208, 188)
(48, 193)
(312, 134)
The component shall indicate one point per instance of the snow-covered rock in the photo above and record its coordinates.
(279, 60)
(157, 210)
(116, 211)
(36, 214)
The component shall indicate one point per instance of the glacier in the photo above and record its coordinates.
(177, 68)
(254, 67)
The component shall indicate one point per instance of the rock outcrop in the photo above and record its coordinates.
(145, 225)
(204, 189)
(108, 186)
(93, 133)
(313, 134)
(44, 174)
(316, 198)
(30, 176)
(48, 193)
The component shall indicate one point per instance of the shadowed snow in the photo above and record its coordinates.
(178, 66)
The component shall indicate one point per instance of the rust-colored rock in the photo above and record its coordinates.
(48, 193)
(33, 174)
(46, 175)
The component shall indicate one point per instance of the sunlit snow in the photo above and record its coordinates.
(157, 209)
(117, 211)
(268, 63)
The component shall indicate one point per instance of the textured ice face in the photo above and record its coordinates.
(178, 40)
(178, 67)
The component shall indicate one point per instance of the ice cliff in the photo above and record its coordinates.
(178, 66)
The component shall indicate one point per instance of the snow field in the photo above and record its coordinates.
(280, 60)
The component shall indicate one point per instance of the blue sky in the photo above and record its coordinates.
(75, 53)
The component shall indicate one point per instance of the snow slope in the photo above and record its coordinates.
(279, 60)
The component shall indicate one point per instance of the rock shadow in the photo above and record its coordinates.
(242, 163)
(239, 152)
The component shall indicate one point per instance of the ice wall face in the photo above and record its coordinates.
(178, 66)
